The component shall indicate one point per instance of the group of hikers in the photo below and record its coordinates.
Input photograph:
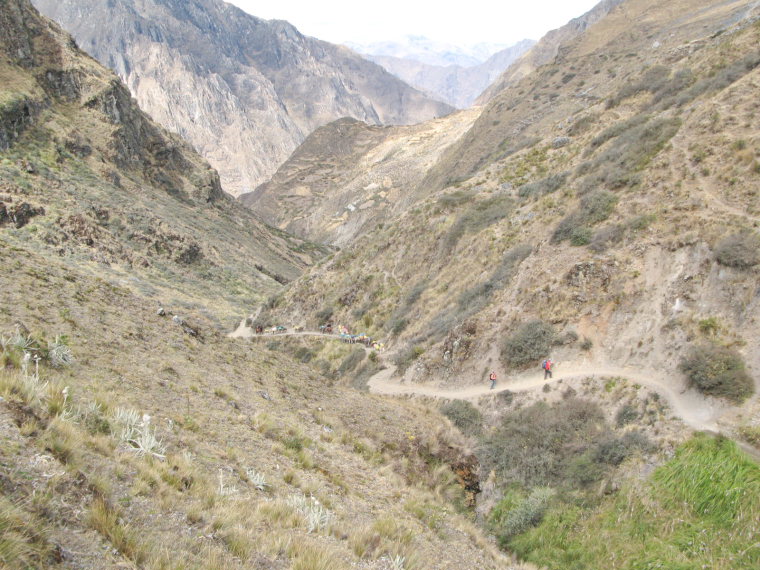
(327, 328)
(279, 329)
(546, 365)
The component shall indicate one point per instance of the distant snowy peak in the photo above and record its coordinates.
(430, 52)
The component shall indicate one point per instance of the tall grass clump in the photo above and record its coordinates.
(22, 543)
(699, 510)
(465, 416)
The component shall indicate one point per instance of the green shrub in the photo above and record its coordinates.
(351, 361)
(481, 215)
(594, 208)
(406, 356)
(465, 416)
(529, 344)
(740, 250)
(581, 236)
(615, 450)
(526, 514)
(717, 371)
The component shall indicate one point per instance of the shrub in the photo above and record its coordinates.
(405, 357)
(626, 414)
(544, 186)
(529, 344)
(324, 314)
(535, 445)
(605, 237)
(351, 361)
(740, 250)
(465, 416)
(717, 371)
(581, 236)
(595, 207)
(614, 451)
(481, 215)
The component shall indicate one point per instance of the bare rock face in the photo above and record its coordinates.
(243, 91)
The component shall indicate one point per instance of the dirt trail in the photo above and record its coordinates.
(696, 411)
(693, 409)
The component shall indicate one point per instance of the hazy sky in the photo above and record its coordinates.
(472, 21)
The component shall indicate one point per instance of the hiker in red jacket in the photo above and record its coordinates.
(492, 378)
(547, 366)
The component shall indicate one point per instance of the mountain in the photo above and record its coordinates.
(243, 91)
(601, 212)
(115, 188)
(348, 177)
(430, 52)
(135, 433)
(457, 85)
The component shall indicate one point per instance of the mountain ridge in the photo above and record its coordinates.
(243, 91)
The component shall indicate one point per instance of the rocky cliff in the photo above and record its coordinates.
(243, 91)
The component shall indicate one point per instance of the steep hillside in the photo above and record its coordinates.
(144, 438)
(88, 177)
(547, 49)
(243, 91)
(348, 177)
(605, 215)
(457, 85)
(602, 212)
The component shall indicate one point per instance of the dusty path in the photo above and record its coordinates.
(692, 408)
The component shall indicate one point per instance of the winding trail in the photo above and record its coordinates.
(692, 408)
(696, 411)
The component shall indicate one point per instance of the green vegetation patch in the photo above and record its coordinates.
(538, 445)
(480, 216)
(594, 208)
(699, 510)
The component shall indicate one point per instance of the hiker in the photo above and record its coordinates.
(547, 366)
(492, 378)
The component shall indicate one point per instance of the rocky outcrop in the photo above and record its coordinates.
(243, 91)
